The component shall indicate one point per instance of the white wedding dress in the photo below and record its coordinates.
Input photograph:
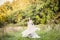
(30, 31)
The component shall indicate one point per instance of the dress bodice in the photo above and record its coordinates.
(30, 23)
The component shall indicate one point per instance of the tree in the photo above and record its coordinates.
(44, 9)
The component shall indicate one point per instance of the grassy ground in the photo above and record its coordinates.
(49, 35)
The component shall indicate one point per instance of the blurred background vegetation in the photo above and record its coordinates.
(40, 11)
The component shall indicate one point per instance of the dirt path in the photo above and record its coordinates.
(13, 28)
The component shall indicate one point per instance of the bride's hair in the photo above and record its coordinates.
(29, 19)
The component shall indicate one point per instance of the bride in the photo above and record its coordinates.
(31, 30)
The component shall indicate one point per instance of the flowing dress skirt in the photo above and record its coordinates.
(30, 32)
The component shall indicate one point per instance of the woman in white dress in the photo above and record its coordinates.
(30, 31)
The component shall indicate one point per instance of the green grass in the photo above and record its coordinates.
(51, 35)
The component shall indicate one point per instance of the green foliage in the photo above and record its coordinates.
(2, 19)
(15, 17)
(40, 11)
